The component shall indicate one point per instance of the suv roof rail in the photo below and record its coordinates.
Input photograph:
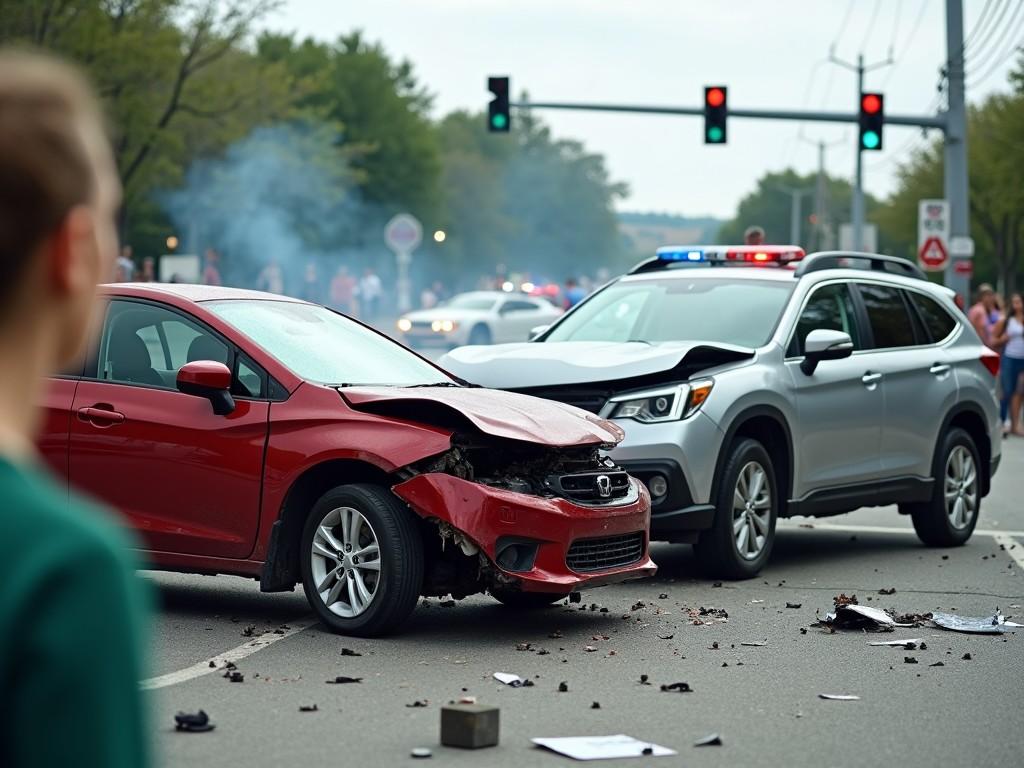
(877, 262)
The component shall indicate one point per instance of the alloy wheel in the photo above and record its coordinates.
(345, 562)
(751, 511)
(961, 488)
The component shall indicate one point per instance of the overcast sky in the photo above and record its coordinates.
(770, 53)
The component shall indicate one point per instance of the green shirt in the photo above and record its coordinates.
(71, 619)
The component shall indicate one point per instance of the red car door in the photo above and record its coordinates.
(187, 479)
(55, 416)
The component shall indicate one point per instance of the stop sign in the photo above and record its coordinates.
(403, 233)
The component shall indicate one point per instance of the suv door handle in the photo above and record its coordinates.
(870, 379)
(100, 417)
(939, 369)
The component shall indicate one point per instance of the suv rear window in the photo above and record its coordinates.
(936, 319)
(891, 323)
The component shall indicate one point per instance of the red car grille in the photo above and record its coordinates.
(607, 552)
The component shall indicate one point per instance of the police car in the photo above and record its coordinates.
(755, 383)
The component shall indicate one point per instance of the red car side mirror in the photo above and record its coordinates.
(209, 379)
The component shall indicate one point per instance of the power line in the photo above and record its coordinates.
(895, 27)
(871, 24)
(978, 25)
(906, 43)
(997, 27)
(997, 52)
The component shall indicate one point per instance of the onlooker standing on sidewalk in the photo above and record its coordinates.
(1010, 332)
(984, 313)
(311, 289)
(70, 606)
(343, 291)
(148, 273)
(753, 236)
(369, 294)
(125, 270)
(271, 278)
(211, 274)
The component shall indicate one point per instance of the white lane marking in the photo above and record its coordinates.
(201, 668)
(789, 526)
(1012, 548)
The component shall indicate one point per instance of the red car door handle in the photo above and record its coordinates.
(101, 417)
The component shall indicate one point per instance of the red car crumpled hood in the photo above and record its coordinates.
(496, 413)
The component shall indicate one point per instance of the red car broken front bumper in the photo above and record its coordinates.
(573, 546)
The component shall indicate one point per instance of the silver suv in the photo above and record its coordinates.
(755, 383)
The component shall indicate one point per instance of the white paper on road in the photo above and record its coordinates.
(602, 747)
(838, 697)
(507, 678)
(894, 643)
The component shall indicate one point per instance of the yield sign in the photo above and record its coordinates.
(933, 255)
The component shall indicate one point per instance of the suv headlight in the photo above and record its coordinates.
(658, 405)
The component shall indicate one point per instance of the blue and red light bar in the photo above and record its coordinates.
(732, 254)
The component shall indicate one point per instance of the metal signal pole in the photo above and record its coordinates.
(956, 187)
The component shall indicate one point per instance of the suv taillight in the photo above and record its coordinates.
(991, 361)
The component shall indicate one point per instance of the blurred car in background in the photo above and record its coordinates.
(477, 317)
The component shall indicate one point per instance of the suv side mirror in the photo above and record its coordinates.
(822, 344)
(537, 330)
(209, 379)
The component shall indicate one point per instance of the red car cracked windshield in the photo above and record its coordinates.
(250, 434)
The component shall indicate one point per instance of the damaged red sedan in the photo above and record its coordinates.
(250, 434)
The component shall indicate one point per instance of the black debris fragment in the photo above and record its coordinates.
(308, 708)
(418, 703)
(937, 664)
(524, 646)
(725, 664)
(213, 665)
(198, 722)
(543, 651)
(343, 680)
(711, 740)
(563, 687)
(447, 603)
(556, 634)
(647, 751)
(638, 605)
(575, 597)
(794, 605)
(680, 687)
(596, 705)
(714, 646)
(717, 584)
(803, 630)
(230, 665)
(349, 652)
(966, 657)
(924, 646)
(645, 680)
(718, 613)
(909, 660)
(663, 596)
(887, 591)
(235, 677)
(249, 631)
(666, 637)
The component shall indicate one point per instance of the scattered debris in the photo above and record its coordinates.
(555, 635)
(563, 687)
(471, 726)
(543, 651)
(421, 753)
(680, 687)
(908, 645)
(308, 708)
(193, 723)
(645, 680)
(794, 605)
(596, 705)
(838, 697)
(465, 700)
(602, 747)
(663, 596)
(909, 660)
(575, 597)
(717, 584)
(714, 646)
(249, 631)
(711, 740)
(342, 680)
(213, 665)
(803, 630)
(666, 637)
(992, 625)
(589, 649)
(850, 615)
(755, 602)
(524, 646)
(418, 704)
(889, 591)
(638, 605)
(349, 652)
(937, 664)
(235, 677)
(758, 644)
(512, 681)
(966, 657)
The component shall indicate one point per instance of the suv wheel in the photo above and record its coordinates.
(740, 541)
(362, 560)
(948, 519)
(479, 335)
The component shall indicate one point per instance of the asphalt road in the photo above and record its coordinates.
(762, 700)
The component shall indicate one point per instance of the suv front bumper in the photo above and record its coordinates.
(552, 530)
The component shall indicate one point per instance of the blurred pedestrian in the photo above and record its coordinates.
(984, 313)
(428, 299)
(148, 273)
(125, 270)
(1010, 333)
(753, 235)
(369, 294)
(311, 289)
(211, 272)
(70, 605)
(271, 278)
(343, 291)
(573, 294)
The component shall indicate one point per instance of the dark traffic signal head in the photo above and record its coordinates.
(716, 108)
(499, 118)
(870, 118)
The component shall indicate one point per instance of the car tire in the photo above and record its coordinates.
(480, 334)
(526, 601)
(393, 579)
(949, 522)
(726, 550)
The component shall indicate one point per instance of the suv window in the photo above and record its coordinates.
(831, 308)
(891, 324)
(518, 305)
(936, 319)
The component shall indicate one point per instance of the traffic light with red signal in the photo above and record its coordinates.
(499, 116)
(871, 119)
(716, 108)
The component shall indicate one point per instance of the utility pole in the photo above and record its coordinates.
(857, 204)
(822, 235)
(956, 187)
(795, 214)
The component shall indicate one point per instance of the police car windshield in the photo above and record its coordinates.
(742, 312)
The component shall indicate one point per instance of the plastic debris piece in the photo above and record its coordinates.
(991, 625)
(838, 697)
(596, 705)
(343, 680)
(711, 740)
(308, 708)
(349, 652)
(638, 605)
(966, 657)
(235, 677)
(887, 591)
(589, 649)
(602, 747)
(913, 641)
(794, 605)
(418, 704)
(758, 644)
(563, 687)
(198, 722)
(666, 637)
(937, 664)
(680, 687)
(909, 660)
(421, 753)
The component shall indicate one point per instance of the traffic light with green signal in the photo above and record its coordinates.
(499, 118)
(870, 119)
(716, 108)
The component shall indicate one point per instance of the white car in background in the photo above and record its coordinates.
(477, 317)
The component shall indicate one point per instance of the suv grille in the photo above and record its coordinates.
(589, 399)
(591, 487)
(608, 552)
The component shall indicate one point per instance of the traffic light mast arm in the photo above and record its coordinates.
(920, 121)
